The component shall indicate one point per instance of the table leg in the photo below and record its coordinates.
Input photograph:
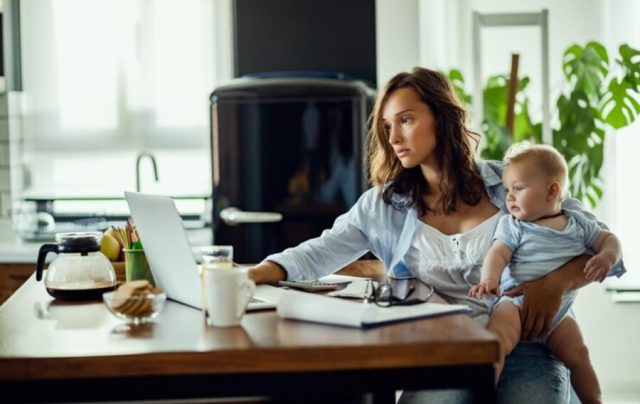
(382, 397)
(483, 390)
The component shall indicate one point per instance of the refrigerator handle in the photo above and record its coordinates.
(234, 216)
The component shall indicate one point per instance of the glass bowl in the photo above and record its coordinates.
(136, 309)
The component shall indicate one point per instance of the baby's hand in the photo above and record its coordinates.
(485, 288)
(597, 268)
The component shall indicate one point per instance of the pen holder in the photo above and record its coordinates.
(136, 266)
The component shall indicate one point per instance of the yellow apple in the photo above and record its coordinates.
(114, 233)
(110, 247)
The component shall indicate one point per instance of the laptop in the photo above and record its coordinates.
(169, 254)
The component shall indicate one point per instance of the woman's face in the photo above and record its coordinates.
(410, 127)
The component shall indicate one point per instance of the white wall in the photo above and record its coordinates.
(452, 32)
(397, 39)
(437, 34)
(612, 329)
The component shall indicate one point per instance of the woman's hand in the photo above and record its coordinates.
(540, 305)
(543, 296)
(267, 272)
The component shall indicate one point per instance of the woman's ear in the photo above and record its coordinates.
(553, 191)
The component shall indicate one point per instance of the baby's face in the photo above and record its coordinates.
(527, 191)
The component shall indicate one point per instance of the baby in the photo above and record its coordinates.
(536, 238)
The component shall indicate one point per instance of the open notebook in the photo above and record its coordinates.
(331, 310)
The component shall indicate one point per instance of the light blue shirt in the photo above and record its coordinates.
(538, 250)
(386, 230)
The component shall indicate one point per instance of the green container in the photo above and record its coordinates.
(136, 266)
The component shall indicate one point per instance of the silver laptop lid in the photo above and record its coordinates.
(166, 246)
(170, 256)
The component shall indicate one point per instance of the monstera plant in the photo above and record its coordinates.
(600, 96)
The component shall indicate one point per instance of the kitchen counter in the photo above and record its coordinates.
(18, 257)
(13, 249)
(16, 251)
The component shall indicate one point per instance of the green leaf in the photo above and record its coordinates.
(499, 80)
(455, 75)
(495, 100)
(580, 138)
(569, 60)
(457, 79)
(523, 83)
(601, 51)
(597, 190)
(522, 126)
(497, 140)
(631, 64)
(536, 133)
(586, 67)
(595, 161)
(580, 179)
(619, 106)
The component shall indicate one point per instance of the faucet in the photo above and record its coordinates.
(155, 167)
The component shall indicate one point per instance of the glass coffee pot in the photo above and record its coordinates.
(80, 271)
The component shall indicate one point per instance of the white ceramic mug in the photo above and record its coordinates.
(228, 292)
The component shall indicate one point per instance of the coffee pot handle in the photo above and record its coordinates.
(42, 255)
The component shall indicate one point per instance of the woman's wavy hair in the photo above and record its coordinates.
(455, 146)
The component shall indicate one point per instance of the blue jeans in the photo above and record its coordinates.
(531, 375)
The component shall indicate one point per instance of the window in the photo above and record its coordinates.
(622, 161)
(106, 80)
(626, 221)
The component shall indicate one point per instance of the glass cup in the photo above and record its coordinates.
(217, 256)
(136, 266)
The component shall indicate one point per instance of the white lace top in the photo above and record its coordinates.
(451, 263)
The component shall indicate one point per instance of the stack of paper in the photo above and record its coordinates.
(358, 288)
(331, 310)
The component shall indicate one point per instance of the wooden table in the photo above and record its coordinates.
(56, 351)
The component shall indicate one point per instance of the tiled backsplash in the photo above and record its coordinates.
(10, 145)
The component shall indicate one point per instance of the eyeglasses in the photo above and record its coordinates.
(394, 292)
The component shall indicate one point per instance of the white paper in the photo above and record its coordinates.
(335, 278)
(322, 309)
(331, 310)
(359, 288)
(397, 313)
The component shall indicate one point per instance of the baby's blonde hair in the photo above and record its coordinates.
(547, 159)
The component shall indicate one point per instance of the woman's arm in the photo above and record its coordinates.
(543, 296)
(271, 272)
(267, 272)
(373, 269)
(351, 236)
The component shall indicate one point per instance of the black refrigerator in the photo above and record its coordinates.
(287, 159)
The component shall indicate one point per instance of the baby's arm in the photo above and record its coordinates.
(497, 258)
(609, 252)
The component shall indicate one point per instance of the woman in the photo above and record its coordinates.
(431, 214)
